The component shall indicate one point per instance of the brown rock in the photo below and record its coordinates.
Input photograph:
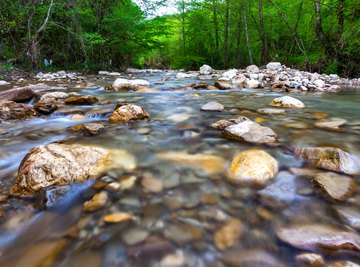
(310, 260)
(10, 110)
(332, 159)
(128, 112)
(316, 237)
(210, 164)
(117, 217)
(252, 167)
(183, 234)
(343, 264)
(81, 100)
(334, 186)
(152, 184)
(97, 202)
(59, 164)
(253, 257)
(87, 128)
(228, 235)
(330, 124)
(222, 85)
(49, 102)
(18, 94)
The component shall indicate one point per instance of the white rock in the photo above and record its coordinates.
(252, 84)
(103, 72)
(114, 73)
(287, 101)
(181, 75)
(254, 76)
(206, 70)
(121, 83)
(3, 83)
(230, 74)
(334, 76)
(213, 106)
(239, 79)
(252, 69)
(273, 66)
(319, 83)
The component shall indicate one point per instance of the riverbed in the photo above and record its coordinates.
(175, 225)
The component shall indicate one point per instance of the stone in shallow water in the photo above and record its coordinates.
(274, 111)
(210, 164)
(252, 84)
(59, 164)
(350, 215)
(332, 159)
(252, 167)
(152, 185)
(280, 193)
(128, 112)
(229, 234)
(88, 128)
(153, 248)
(250, 257)
(81, 100)
(343, 264)
(49, 102)
(183, 234)
(124, 84)
(117, 217)
(251, 132)
(310, 260)
(334, 186)
(17, 94)
(50, 196)
(10, 110)
(330, 124)
(315, 237)
(287, 102)
(134, 236)
(213, 106)
(222, 85)
(97, 202)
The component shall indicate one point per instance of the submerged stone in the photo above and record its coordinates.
(81, 100)
(229, 234)
(213, 106)
(128, 112)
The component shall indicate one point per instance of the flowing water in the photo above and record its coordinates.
(192, 196)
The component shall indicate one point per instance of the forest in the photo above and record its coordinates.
(313, 35)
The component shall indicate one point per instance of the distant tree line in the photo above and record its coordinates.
(316, 35)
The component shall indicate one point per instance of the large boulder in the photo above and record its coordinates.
(125, 84)
(49, 102)
(59, 164)
(287, 102)
(315, 237)
(128, 112)
(206, 70)
(10, 110)
(18, 94)
(332, 159)
(251, 132)
(252, 167)
(252, 69)
(273, 66)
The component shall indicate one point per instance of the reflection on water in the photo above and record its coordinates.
(181, 219)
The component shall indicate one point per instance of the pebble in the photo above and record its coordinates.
(229, 234)
(152, 185)
(97, 202)
(117, 217)
(134, 236)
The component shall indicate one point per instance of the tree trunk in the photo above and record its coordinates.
(247, 38)
(226, 37)
(183, 26)
(216, 26)
(264, 51)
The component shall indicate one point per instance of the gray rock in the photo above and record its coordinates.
(252, 69)
(350, 215)
(213, 106)
(18, 94)
(230, 74)
(319, 83)
(205, 70)
(330, 124)
(273, 66)
(272, 111)
(250, 131)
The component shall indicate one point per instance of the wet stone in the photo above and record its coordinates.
(51, 196)
(287, 102)
(152, 184)
(334, 186)
(117, 217)
(343, 264)
(349, 215)
(252, 257)
(10, 110)
(88, 128)
(128, 112)
(314, 237)
(153, 248)
(223, 85)
(97, 202)
(229, 234)
(330, 124)
(134, 236)
(183, 234)
(309, 260)
(81, 100)
(252, 167)
(271, 111)
(213, 106)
